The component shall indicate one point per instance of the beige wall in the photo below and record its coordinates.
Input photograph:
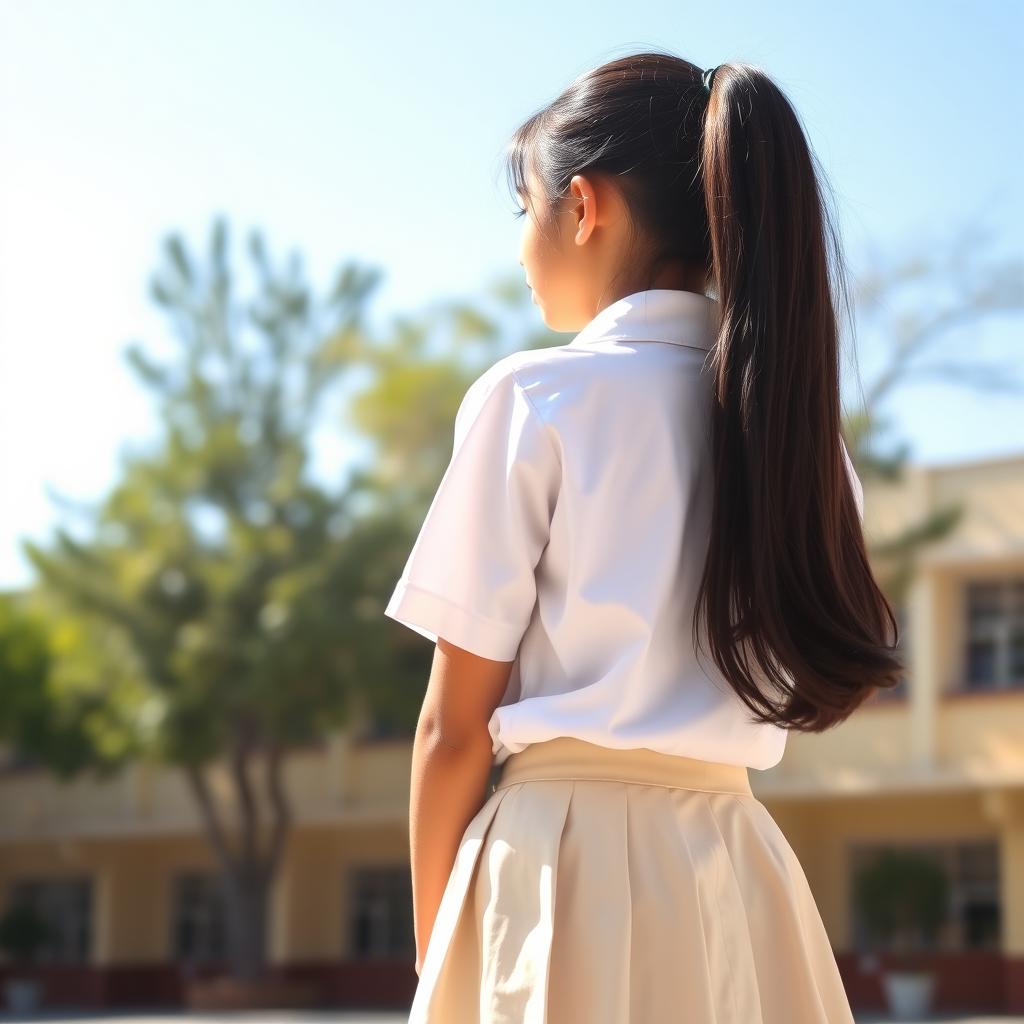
(937, 764)
(132, 887)
(345, 783)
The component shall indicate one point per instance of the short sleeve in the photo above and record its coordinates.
(469, 577)
(858, 487)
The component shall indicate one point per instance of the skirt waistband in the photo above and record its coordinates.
(569, 757)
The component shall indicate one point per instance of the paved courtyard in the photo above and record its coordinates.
(349, 1017)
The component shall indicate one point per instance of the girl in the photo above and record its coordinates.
(643, 566)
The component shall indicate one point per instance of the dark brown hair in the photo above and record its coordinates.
(727, 182)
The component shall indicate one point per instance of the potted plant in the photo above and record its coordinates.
(904, 898)
(23, 932)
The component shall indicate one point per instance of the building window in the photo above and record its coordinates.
(66, 906)
(995, 634)
(972, 869)
(381, 924)
(199, 917)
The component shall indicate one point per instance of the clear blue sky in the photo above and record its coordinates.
(374, 131)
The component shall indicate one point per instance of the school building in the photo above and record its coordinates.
(124, 873)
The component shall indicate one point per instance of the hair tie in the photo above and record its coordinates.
(707, 78)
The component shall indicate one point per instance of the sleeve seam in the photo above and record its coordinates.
(536, 412)
(493, 623)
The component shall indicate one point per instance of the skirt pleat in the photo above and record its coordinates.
(585, 890)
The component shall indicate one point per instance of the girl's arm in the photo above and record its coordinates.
(451, 765)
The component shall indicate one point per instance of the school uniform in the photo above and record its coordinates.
(621, 870)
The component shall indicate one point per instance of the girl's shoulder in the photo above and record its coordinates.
(542, 373)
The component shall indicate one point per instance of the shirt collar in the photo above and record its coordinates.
(656, 314)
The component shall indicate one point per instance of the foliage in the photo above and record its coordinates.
(222, 610)
(904, 897)
(913, 306)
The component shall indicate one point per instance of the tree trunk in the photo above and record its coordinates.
(247, 896)
(247, 872)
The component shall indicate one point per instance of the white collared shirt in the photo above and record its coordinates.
(569, 532)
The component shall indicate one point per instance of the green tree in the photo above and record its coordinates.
(68, 696)
(221, 612)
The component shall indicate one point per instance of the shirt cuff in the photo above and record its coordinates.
(432, 615)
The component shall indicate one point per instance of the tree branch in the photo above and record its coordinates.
(207, 809)
(248, 806)
(279, 801)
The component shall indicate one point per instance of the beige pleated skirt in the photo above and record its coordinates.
(603, 886)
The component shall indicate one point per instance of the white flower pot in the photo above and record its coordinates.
(908, 993)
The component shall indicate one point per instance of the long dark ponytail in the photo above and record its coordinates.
(727, 182)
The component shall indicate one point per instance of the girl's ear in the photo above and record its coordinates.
(583, 204)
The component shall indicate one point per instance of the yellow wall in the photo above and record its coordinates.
(937, 764)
